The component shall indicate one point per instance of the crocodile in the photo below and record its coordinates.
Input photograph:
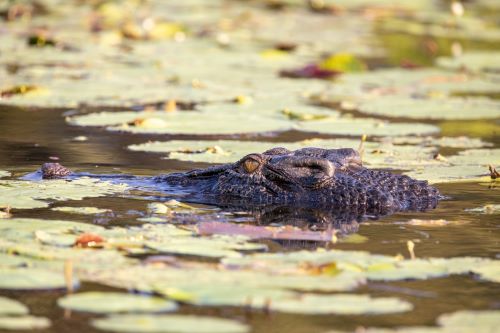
(307, 178)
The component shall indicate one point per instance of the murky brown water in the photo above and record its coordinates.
(29, 138)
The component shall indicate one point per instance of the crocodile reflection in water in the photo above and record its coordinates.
(330, 181)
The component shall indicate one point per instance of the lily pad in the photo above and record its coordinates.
(449, 174)
(24, 323)
(438, 24)
(31, 279)
(341, 304)
(483, 157)
(168, 324)
(432, 108)
(365, 126)
(472, 61)
(4, 173)
(81, 210)
(111, 302)
(465, 321)
(188, 122)
(486, 209)
(215, 247)
(445, 141)
(11, 307)
(37, 194)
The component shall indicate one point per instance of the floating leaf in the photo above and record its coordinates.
(447, 174)
(432, 108)
(486, 209)
(157, 208)
(4, 173)
(111, 302)
(432, 223)
(365, 126)
(466, 321)
(472, 61)
(18, 90)
(11, 307)
(192, 122)
(343, 63)
(215, 247)
(81, 210)
(24, 323)
(35, 194)
(311, 71)
(341, 304)
(168, 323)
(452, 142)
(31, 279)
(483, 157)
(88, 240)
(438, 24)
(55, 239)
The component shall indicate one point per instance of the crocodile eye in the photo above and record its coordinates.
(250, 165)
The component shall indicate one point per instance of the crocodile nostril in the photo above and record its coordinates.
(320, 164)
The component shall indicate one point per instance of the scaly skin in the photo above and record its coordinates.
(332, 180)
(309, 177)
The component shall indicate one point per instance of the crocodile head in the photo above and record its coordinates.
(308, 177)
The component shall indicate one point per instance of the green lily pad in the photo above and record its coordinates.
(466, 321)
(214, 246)
(368, 126)
(81, 210)
(472, 61)
(432, 108)
(168, 323)
(37, 194)
(21, 229)
(11, 307)
(55, 239)
(11, 260)
(446, 25)
(31, 279)
(187, 122)
(483, 157)
(24, 323)
(452, 142)
(354, 88)
(110, 302)
(450, 174)
(341, 304)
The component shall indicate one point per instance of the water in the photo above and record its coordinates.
(25, 145)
